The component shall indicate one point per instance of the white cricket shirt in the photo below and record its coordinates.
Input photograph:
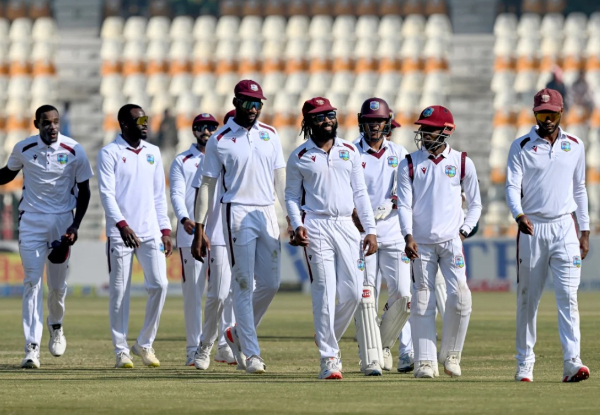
(183, 195)
(214, 218)
(50, 173)
(430, 205)
(247, 159)
(546, 182)
(328, 184)
(378, 168)
(132, 189)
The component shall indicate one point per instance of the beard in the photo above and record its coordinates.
(321, 134)
(547, 131)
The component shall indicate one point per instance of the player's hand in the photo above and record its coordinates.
(584, 243)
(384, 210)
(462, 237)
(356, 221)
(370, 244)
(129, 237)
(189, 226)
(168, 245)
(525, 225)
(290, 232)
(71, 234)
(301, 236)
(411, 249)
(200, 244)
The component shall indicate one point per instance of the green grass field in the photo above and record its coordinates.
(83, 381)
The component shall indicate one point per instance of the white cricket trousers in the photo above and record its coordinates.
(37, 231)
(151, 257)
(252, 238)
(450, 258)
(335, 268)
(553, 246)
(391, 263)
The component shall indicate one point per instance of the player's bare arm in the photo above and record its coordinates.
(168, 244)
(412, 249)
(204, 199)
(525, 225)
(83, 201)
(188, 225)
(584, 243)
(356, 221)
(301, 236)
(7, 175)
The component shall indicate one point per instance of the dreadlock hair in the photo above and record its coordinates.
(305, 129)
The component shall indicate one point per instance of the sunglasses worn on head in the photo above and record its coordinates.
(321, 117)
(141, 120)
(248, 105)
(202, 127)
(542, 116)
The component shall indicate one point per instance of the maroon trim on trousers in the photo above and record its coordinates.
(28, 146)
(108, 255)
(411, 170)
(377, 154)
(223, 133)
(518, 234)
(463, 163)
(268, 127)
(302, 152)
(228, 213)
(182, 265)
(436, 160)
(134, 150)
(209, 266)
(351, 147)
(68, 148)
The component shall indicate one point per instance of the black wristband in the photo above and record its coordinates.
(182, 221)
(464, 233)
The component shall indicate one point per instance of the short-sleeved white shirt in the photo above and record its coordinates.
(379, 168)
(183, 195)
(50, 173)
(214, 219)
(247, 159)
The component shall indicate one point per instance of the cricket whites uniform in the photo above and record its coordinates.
(547, 183)
(390, 261)
(132, 192)
(247, 160)
(50, 177)
(321, 192)
(430, 208)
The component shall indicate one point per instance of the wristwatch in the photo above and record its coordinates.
(464, 233)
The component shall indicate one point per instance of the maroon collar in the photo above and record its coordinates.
(436, 160)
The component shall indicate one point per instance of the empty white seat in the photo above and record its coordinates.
(42, 86)
(529, 25)
(111, 50)
(320, 27)
(203, 82)
(19, 51)
(180, 50)
(435, 48)
(250, 27)
(575, 24)
(181, 27)
(341, 81)
(438, 25)
(388, 81)
(505, 47)
(135, 27)
(20, 29)
(388, 95)
(273, 49)
(296, 82)
(551, 24)
(47, 97)
(593, 79)
(19, 86)
(158, 28)
(412, 82)
(135, 50)
(502, 137)
(227, 27)
(44, 29)
(180, 84)
(110, 83)
(354, 102)
(134, 84)
(319, 82)
(225, 84)
(112, 103)
(497, 213)
(160, 103)
(412, 48)
(436, 81)
(430, 98)
(365, 48)
(365, 82)
(343, 26)
(505, 99)
(390, 26)
(503, 80)
(157, 84)
(112, 28)
(273, 27)
(205, 27)
(388, 48)
(319, 48)
(226, 49)
(593, 26)
(158, 50)
(529, 47)
(211, 103)
(273, 82)
(414, 25)
(295, 48)
(203, 50)
(43, 51)
(343, 48)
(551, 46)
(297, 27)
(366, 26)
(4, 27)
(574, 46)
(593, 46)
(284, 102)
(250, 48)
(139, 98)
(505, 25)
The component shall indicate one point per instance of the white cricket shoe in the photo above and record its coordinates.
(32, 357)
(452, 365)
(202, 356)
(233, 341)
(388, 360)
(524, 372)
(124, 361)
(254, 364)
(57, 343)
(189, 360)
(225, 355)
(373, 369)
(330, 368)
(575, 371)
(425, 369)
(406, 362)
(147, 355)
(339, 361)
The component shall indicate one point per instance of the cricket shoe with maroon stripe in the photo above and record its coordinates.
(233, 341)
(524, 372)
(575, 371)
(225, 355)
(330, 368)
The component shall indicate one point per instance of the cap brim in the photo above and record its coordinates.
(547, 107)
(205, 121)
(251, 95)
(395, 124)
(323, 108)
(429, 123)
(374, 116)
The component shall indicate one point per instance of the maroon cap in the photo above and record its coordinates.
(316, 105)
(229, 115)
(436, 116)
(375, 108)
(60, 251)
(395, 124)
(249, 88)
(547, 100)
(205, 118)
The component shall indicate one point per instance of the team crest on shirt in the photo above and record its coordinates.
(404, 257)
(577, 261)
(361, 264)
(150, 158)
(565, 146)
(393, 161)
(459, 261)
(264, 136)
(62, 158)
(450, 171)
(345, 155)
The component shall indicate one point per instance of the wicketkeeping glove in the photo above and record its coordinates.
(384, 210)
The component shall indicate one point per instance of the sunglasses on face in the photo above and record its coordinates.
(321, 117)
(248, 105)
(143, 120)
(202, 127)
(542, 116)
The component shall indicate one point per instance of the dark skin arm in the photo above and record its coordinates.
(584, 243)
(83, 201)
(7, 175)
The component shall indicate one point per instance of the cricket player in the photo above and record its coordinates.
(379, 160)
(132, 191)
(247, 155)
(56, 174)
(325, 183)
(434, 225)
(545, 191)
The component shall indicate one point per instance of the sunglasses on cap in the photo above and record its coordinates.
(143, 120)
(542, 116)
(321, 117)
(202, 127)
(248, 105)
